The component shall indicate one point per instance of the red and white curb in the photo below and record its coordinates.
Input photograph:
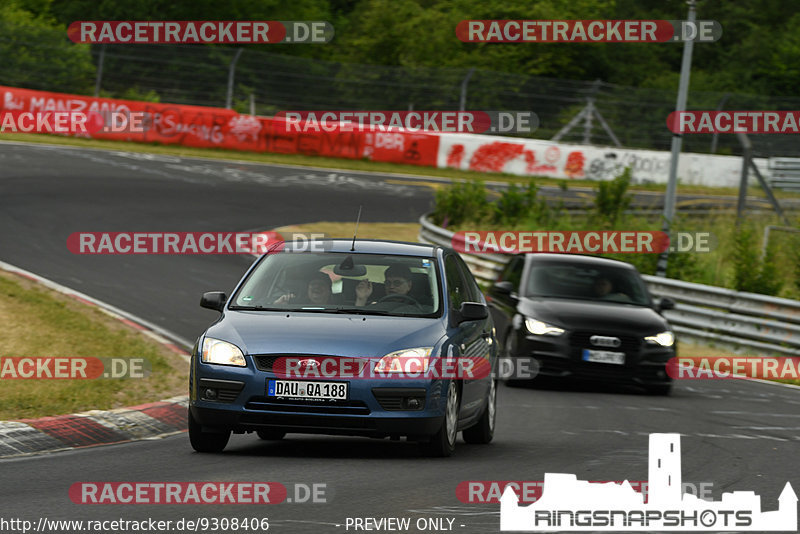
(65, 432)
(97, 427)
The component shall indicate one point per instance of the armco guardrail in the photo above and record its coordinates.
(745, 322)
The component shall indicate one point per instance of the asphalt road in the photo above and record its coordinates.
(736, 435)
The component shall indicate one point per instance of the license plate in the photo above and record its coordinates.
(299, 389)
(603, 356)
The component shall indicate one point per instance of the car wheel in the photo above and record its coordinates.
(483, 431)
(206, 441)
(443, 442)
(270, 435)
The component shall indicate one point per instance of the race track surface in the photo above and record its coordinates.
(736, 435)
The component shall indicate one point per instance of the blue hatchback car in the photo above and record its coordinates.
(368, 338)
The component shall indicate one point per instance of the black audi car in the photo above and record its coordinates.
(582, 317)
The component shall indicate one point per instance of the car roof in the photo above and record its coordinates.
(578, 259)
(373, 246)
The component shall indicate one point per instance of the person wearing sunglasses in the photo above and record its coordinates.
(397, 281)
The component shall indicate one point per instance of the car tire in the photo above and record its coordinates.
(270, 434)
(443, 442)
(483, 431)
(507, 353)
(662, 390)
(206, 441)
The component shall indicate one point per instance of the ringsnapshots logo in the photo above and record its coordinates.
(409, 121)
(569, 504)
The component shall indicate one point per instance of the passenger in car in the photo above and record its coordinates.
(318, 291)
(604, 289)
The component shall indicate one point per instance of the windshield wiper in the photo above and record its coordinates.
(256, 308)
(358, 311)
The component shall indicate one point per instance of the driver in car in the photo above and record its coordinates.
(397, 280)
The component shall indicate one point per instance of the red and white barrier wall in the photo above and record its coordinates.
(207, 127)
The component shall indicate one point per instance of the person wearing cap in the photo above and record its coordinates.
(396, 280)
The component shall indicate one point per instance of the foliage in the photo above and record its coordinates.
(612, 198)
(516, 205)
(36, 54)
(751, 272)
(461, 202)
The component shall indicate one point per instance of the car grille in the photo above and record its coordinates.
(266, 362)
(226, 395)
(630, 344)
(343, 407)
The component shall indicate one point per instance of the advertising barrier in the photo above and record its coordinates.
(207, 127)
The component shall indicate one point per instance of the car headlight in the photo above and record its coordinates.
(542, 329)
(222, 352)
(414, 360)
(665, 339)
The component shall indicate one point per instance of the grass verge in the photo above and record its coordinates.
(42, 323)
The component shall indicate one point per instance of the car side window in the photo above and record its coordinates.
(455, 285)
(513, 271)
(472, 293)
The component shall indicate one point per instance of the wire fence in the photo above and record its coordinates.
(267, 82)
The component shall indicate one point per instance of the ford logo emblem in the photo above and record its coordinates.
(303, 364)
(605, 341)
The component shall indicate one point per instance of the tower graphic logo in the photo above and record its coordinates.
(569, 504)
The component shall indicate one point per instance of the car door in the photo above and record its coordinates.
(470, 337)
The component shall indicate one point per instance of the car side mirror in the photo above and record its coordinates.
(214, 300)
(666, 304)
(472, 311)
(503, 288)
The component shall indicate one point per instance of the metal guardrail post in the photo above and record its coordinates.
(231, 72)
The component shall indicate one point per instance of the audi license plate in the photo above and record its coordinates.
(299, 389)
(603, 356)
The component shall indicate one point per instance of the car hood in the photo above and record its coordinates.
(583, 314)
(324, 333)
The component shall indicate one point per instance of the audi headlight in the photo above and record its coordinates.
(665, 339)
(222, 352)
(542, 329)
(414, 360)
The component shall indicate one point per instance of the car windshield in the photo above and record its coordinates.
(334, 282)
(586, 282)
